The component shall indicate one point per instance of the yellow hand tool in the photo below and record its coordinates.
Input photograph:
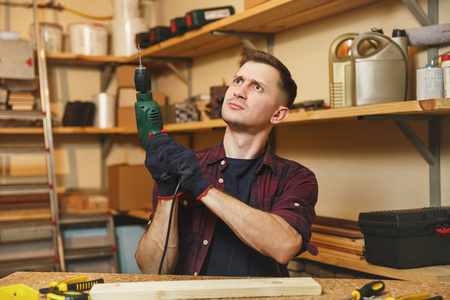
(70, 295)
(371, 289)
(79, 283)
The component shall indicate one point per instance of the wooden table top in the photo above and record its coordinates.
(331, 288)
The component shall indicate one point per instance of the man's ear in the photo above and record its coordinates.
(280, 115)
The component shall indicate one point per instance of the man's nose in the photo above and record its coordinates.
(240, 92)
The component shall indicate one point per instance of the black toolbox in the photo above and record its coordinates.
(405, 239)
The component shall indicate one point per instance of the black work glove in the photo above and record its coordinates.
(185, 164)
(158, 152)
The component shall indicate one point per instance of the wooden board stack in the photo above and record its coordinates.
(338, 237)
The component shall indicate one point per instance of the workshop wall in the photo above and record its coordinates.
(361, 166)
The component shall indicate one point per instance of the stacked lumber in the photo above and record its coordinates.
(338, 237)
(21, 101)
(24, 207)
(36, 207)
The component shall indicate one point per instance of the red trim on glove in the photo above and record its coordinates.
(169, 197)
(205, 192)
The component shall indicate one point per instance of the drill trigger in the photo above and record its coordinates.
(164, 131)
(150, 135)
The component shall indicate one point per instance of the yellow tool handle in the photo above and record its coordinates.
(62, 285)
(411, 297)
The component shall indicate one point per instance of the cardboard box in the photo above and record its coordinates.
(129, 187)
(126, 117)
(250, 3)
(125, 75)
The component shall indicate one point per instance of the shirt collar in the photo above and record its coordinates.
(218, 154)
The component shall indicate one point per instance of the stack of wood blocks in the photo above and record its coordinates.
(337, 237)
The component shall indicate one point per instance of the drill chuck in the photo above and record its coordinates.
(142, 80)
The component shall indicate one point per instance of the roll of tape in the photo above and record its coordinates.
(105, 110)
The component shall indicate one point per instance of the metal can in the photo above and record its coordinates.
(430, 83)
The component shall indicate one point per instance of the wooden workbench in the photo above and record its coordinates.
(331, 288)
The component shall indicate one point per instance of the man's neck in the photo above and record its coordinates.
(244, 145)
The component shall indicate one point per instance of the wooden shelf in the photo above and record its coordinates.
(71, 59)
(439, 106)
(269, 18)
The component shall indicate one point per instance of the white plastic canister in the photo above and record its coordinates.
(51, 34)
(88, 38)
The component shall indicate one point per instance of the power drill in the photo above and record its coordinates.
(148, 114)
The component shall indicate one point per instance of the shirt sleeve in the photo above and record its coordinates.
(296, 205)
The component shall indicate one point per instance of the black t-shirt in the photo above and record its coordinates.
(227, 254)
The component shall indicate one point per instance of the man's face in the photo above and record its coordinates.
(253, 96)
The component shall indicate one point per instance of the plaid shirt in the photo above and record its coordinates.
(280, 186)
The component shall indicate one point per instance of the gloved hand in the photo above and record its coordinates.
(185, 164)
(158, 152)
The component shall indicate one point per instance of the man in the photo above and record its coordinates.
(243, 211)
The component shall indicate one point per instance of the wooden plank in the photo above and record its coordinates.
(338, 249)
(356, 234)
(337, 241)
(201, 289)
(325, 249)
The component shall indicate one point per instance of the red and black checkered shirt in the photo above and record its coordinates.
(280, 186)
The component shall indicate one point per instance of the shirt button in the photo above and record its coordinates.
(221, 180)
(195, 273)
(296, 204)
(185, 203)
(205, 242)
(222, 162)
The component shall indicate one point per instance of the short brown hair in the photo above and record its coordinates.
(288, 85)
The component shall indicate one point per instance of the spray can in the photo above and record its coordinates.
(399, 36)
(430, 82)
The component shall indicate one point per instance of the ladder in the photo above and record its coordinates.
(32, 188)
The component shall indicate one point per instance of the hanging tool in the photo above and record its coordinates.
(148, 114)
(79, 283)
(371, 289)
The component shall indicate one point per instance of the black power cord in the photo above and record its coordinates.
(168, 228)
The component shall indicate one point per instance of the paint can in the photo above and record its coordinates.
(88, 38)
(430, 83)
(51, 34)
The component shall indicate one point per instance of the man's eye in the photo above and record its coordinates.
(258, 87)
(238, 81)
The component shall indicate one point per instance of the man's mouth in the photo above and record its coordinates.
(235, 105)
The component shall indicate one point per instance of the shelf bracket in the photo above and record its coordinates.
(431, 154)
(244, 37)
(106, 74)
(426, 20)
(106, 145)
(168, 61)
